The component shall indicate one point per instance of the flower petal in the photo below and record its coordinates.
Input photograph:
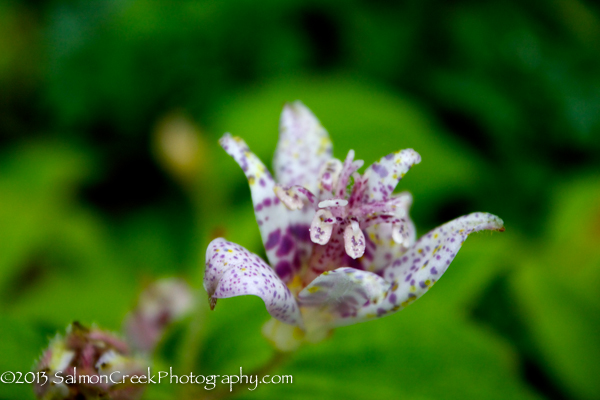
(345, 295)
(231, 271)
(425, 262)
(303, 147)
(284, 233)
(383, 176)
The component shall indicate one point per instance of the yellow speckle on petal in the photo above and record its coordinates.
(435, 236)
(413, 288)
(427, 282)
(251, 180)
(313, 289)
(230, 251)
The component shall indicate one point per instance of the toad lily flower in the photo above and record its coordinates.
(341, 246)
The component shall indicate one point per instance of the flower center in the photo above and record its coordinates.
(342, 212)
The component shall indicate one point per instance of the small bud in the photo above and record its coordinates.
(179, 145)
(78, 366)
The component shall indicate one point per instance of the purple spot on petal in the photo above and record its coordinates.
(380, 169)
(392, 298)
(286, 245)
(283, 269)
(273, 240)
(300, 232)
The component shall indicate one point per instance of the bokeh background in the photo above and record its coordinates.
(111, 177)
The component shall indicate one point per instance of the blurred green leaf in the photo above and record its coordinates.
(565, 327)
(20, 346)
(556, 289)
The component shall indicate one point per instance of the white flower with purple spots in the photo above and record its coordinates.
(341, 246)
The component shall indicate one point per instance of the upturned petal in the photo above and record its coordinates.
(231, 271)
(303, 148)
(383, 176)
(285, 234)
(425, 262)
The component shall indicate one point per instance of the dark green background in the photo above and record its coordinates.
(501, 99)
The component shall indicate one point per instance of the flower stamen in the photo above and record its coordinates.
(322, 227)
(354, 240)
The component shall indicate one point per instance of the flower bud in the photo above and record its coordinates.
(80, 365)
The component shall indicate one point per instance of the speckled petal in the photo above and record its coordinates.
(383, 176)
(285, 233)
(303, 147)
(231, 271)
(348, 295)
(425, 262)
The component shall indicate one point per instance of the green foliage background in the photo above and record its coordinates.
(501, 99)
